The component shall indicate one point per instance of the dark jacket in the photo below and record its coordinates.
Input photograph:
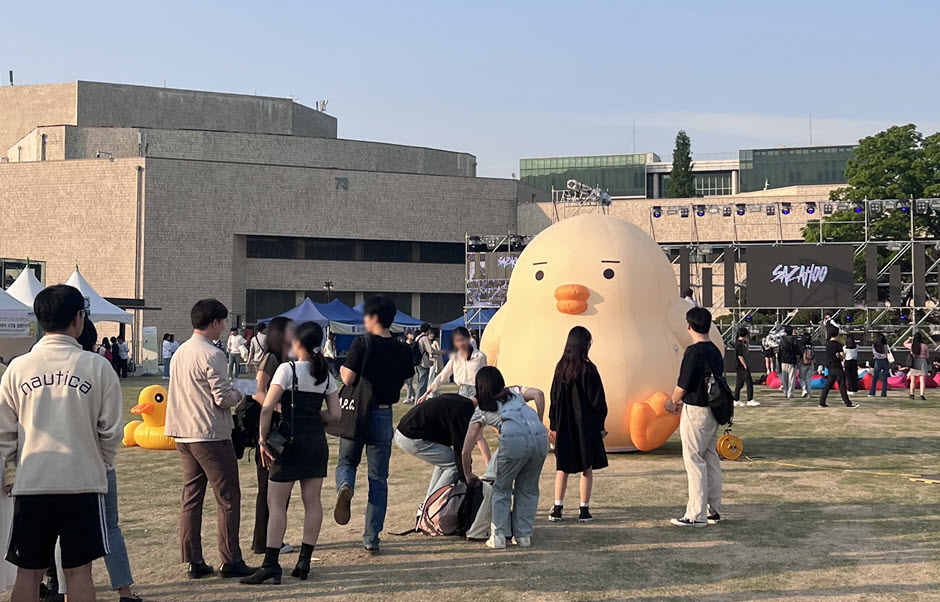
(577, 413)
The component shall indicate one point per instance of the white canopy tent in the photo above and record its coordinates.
(17, 327)
(99, 309)
(25, 288)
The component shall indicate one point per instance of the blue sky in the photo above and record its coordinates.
(506, 80)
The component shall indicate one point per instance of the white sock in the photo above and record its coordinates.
(585, 504)
(559, 502)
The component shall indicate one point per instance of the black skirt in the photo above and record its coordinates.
(307, 456)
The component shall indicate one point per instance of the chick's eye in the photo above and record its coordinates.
(608, 273)
(539, 275)
(158, 398)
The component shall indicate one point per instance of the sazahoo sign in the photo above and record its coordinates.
(800, 276)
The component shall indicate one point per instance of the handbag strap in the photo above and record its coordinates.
(293, 389)
(367, 341)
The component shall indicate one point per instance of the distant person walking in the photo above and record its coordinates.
(256, 347)
(788, 354)
(576, 417)
(199, 417)
(851, 364)
(834, 355)
(234, 345)
(807, 366)
(742, 371)
(879, 351)
(124, 356)
(411, 395)
(423, 353)
(920, 366)
(167, 353)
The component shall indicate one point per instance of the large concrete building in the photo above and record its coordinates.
(169, 196)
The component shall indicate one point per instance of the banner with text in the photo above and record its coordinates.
(800, 276)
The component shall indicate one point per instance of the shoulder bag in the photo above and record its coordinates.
(280, 438)
(356, 401)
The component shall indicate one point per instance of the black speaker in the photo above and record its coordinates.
(730, 261)
(871, 274)
(918, 267)
(685, 276)
(706, 287)
(894, 285)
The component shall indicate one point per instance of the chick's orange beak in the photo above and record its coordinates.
(142, 408)
(571, 298)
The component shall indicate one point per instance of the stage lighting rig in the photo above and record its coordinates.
(741, 208)
(726, 211)
(683, 212)
(921, 206)
(475, 244)
(842, 206)
(517, 242)
(771, 210)
(785, 208)
(811, 208)
(889, 205)
(904, 206)
(875, 206)
(935, 204)
(858, 207)
(657, 211)
(827, 208)
(700, 210)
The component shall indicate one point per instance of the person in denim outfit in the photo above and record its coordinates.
(389, 365)
(523, 446)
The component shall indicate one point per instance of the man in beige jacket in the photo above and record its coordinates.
(60, 423)
(199, 417)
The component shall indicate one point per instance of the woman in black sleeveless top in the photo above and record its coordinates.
(301, 388)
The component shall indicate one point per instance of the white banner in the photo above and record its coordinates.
(17, 328)
(147, 364)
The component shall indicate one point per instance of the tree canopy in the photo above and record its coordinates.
(681, 182)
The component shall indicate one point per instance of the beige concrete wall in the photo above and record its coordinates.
(535, 217)
(84, 142)
(22, 108)
(119, 105)
(194, 210)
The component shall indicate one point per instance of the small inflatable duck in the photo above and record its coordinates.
(148, 434)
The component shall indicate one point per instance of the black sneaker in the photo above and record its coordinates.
(823, 405)
(714, 519)
(684, 522)
(230, 570)
(372, 549)
(585, 515)
(198, 570)
(555, 515)
(342, 511)
(922, 398)
(852, 405)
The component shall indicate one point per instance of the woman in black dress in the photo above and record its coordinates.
(300, 387)
(576, 419)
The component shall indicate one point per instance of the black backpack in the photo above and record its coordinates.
(789, 350)
(417, 353)
(719, 396)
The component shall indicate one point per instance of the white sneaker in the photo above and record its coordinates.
(286, 548)
(739, 404)
(752, 404)
(522, 542)
(804, 395)
(496, 542)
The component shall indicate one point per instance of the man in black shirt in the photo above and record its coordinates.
(834, 355)
(698, 429)
(385, 363)
(434, 432)
(788, 355)
(742, 371)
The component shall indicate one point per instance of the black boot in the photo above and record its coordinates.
(302, 569)
(270, 569)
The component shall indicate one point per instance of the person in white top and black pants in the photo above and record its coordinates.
(464, 363)
(851, 364)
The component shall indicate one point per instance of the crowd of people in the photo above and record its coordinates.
(61, 409)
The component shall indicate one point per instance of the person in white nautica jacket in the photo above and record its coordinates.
(60, 423)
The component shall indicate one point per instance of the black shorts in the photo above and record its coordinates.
(76, 520)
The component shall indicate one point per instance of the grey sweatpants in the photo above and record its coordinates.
(699, 433)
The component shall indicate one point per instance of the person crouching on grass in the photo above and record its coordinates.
(523, 446)
(698, 428)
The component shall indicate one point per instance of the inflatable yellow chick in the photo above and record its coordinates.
(609, 276)
(151, 406)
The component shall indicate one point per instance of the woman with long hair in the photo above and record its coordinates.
(277, 345)
(851, 364)
(300, 387)
(523, 445)
(879, 351)
(576, 418)
(463, 364)
(919, 365)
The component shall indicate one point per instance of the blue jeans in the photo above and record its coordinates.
(879, 372)
(421, 380)
(378, 445)
(516, 489)
(119, 567)
(166, 367)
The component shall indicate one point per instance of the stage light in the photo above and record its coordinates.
(683, 212)
(714, 209)
(921, 206)
(748, 318)
(517, 242)
(875, 206)
(771, 209)
(827, 208)
(741, 208)
(935, 204)
(848, 317)
(657, 211)
(475, 244)
(785, 208)
(903, 318)
(672, 211)
(700, 210)
(811, 208)
(859, 207)
(726, 211)
(705, 249)
(891, 204)
(904, 206)
(842, 206)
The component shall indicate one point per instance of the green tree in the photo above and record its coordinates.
(681, 183)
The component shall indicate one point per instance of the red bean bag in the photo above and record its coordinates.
(865, 383)
(898, 382)
(936, 378)
(773, 380)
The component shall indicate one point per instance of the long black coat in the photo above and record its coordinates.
(577, 415)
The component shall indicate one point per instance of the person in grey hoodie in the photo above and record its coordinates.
(60, 423)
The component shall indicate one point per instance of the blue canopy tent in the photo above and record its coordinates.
(402, 319)
(337, 311)
(305, 312)
(481, 316)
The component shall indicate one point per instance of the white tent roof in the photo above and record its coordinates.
(25, 288)
(100, 310)
(10, 307)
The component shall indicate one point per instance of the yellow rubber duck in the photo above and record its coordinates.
(148, 434)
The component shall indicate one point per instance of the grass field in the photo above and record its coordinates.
(799, 525)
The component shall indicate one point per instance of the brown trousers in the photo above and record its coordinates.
(209, 462)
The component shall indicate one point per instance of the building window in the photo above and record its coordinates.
(344, 249)
(387, 250)
(271, 247)
(329, 249)
(437, 308)
(11, 269)
(262, 304)
(441, 252)
(402, 301)
(321, 296)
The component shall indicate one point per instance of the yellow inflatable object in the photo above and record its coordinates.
(148, 433)
(609, 276)
(729, 446)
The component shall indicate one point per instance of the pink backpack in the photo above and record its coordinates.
(440, 514)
